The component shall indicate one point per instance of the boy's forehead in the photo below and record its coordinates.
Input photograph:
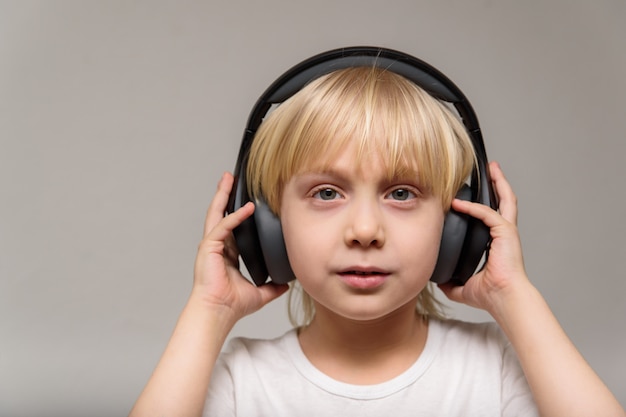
(352, 159)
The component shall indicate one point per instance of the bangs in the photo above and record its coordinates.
(379, 114)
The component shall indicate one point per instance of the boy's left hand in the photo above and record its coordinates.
(504, 269)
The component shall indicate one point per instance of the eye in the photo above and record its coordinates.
(326, 194)
(401, 194)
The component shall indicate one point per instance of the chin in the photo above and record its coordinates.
(366, 311)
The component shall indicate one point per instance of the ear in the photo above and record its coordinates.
(452, 241)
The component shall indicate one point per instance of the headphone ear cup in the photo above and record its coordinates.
(452, 240)
(259, 238)
(476, 246)
(270, 233)
(246, 235)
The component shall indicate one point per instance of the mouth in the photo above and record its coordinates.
(363, 278)
(361, 273)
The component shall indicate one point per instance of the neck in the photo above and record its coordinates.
(364, 352)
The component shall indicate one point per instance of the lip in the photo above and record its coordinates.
(363, 278)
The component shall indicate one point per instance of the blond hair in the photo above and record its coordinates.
(381, 112)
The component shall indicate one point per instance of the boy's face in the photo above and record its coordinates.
(361, 245)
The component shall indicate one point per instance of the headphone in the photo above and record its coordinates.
(464, 239)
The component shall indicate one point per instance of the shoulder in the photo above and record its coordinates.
(250, 373)
(243, 349)
(472, 344)
(245, 358)
(487, 333)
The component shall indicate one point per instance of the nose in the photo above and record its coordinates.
(365, 226)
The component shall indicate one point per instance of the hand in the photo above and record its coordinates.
(217, 280)
(504, 269)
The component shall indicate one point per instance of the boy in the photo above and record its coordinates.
(361, 166)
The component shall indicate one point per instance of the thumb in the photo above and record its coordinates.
(272, 291)
(453, 292)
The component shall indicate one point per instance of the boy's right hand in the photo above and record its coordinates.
(218, 283)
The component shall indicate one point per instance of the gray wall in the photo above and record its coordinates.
(118, 117)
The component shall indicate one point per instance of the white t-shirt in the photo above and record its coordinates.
(465, 369)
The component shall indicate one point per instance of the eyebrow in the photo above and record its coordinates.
(325, 172)
(322, 172)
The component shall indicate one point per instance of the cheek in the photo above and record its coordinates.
(299, 241)
(419, 244)
(310, 244)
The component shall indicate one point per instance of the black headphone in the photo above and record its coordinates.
(464, 240)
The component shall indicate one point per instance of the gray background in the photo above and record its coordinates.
(118, 117)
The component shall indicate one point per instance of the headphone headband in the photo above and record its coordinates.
(433, 81)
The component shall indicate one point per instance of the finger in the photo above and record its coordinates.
(217, 207)
(506, 196)
(223, 229)
(486, 214)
